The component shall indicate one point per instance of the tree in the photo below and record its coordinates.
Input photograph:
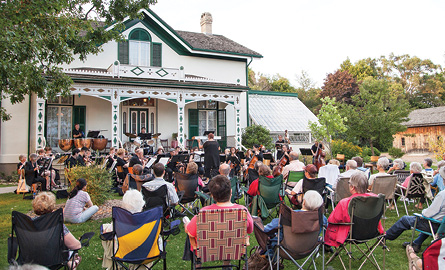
(38, 36)
(307, 93)
(340, 85)
(256, 134)
(377, 113)
(329, 122)
(280, 84)
(361, 69)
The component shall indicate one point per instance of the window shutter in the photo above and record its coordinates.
(193, 123)
(123, 52)
(157, 55)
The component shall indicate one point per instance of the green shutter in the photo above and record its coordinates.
(79, 117)
(123, 52)
(156, 59)
(193, 123)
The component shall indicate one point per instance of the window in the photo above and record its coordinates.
(124, 121)
(138, 50)
(152, 123)
(403, 141)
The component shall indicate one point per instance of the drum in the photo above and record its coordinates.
(99, 144)
(66, 144)
(266, 162)
(137, 141)
(79, 143)
(150, 142)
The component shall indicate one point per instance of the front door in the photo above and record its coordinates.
(138, 120)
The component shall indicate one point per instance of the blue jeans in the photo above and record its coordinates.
(84, 216)
(405, 223)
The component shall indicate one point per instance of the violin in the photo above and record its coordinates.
(279, 168)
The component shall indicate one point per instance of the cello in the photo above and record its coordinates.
(319, 157)
(252, 162)
(279, 168)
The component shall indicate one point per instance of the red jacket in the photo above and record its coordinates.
(337, 234)
(253, 188)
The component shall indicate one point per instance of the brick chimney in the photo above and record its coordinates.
(206, 23)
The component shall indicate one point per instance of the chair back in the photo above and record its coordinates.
(258, 228)
(342, 189)
(235, 189)
(385, 185)
(432, 257)
(300, 231)
(40, 240)
(295, 176)
(401, 175)
(317, 184)
(252, 175)
(164, 143)
(137, 235)
(415, 187)
(330, 172)
(158, 197)
(187, 183)
(222, 234)
(269, 189)
(365, 213)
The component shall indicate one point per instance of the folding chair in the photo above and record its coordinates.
(301, 230)
(263, 238)
(186, 185)
(164, 144)
(271, 195)
(236, 190)
(436, 234)
(40, 240)
(137, 238)
(432, 257)
(386, 185)
(222, 236)
(365, 213)
(401, 175)
(342, 189)
(415, 189)
(293, 177)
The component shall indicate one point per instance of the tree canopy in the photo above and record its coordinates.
(38, 36)
(340, 85)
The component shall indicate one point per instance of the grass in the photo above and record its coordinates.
(92, 255)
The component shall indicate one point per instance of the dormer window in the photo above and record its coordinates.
(139, 50)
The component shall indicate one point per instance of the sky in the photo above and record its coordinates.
(316, 36)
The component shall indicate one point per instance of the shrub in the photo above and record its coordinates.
(256, 134)
(98, 181)
(367, 151)
(346, 148)
(395, 152)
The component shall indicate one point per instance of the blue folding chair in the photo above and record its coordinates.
(137, 237)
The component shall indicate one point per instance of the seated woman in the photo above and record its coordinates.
(221, 191)
(133, 202)
(398, 164)
(45, 203)
(310, 173)
(263, 170)
(75, 205)
(192, 169)
(414, 167)
(382, 164)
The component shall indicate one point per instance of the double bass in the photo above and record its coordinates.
(319, 158)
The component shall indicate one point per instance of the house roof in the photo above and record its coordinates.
(215, 43)
(279, 112)
(426, 117)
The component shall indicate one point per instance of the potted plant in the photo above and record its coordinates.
(174, 140)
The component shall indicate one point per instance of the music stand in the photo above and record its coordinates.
(222, 158)
(175, 159)
(305, 152)
(241, 155)
(207, 132)
(145, 136)
(268, 156)
(184, 158)
(93, 133)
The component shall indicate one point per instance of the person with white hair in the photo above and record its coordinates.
(294, 164)
(397, 164)
(382, 164)
(351, 168)
(414, 167)
(133, 202)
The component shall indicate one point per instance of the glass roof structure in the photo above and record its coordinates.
(278, 113)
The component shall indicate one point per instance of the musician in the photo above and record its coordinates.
(284, 151)
(137, 158)
(74, 159)
(195, 156)
(111, 157)
(314, 149)
(32, 174)
(256, 151)
(160, 151)
(234, 162)
(280, 142)
(77, 132)
(49, 172)
(143, 132)
(81, 157)
(211, 154)
(21, 164)
(171, 166)
(48, 152)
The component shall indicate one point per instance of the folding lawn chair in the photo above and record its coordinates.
(271, 195)
(435, 228)
(365, 213)
(236, 191)
(137, 238)
(301, 230)
(415, 189)
(386, 185)
(222, 236)
(186, 185)
(263, 238)
(401, 175)
(293, 177)
(342, 189)
(40, 240)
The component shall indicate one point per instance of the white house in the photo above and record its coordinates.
(166, 80)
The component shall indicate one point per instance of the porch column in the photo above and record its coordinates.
(115, 116)
(40, 124)
(181, 104)
(237, 128)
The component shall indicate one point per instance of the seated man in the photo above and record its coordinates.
(336, 234)
(134, 180)
(360, 167)
(158, 181)
(32, 174)
(438, 176)
(294, 164)
(351, 168)
(73, 160)
(436, 211)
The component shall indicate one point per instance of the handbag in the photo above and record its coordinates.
(257, 261)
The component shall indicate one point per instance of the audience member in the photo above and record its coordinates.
(382, 164)
(159, 172)
(398, 164)
(265, 171)
(310, 173)
(438, 177)
(74, 207)
(136, 179)
(294, 164)
(414, 167)
(351, 168)
(330, 172)
(336, 234)
(360, 167)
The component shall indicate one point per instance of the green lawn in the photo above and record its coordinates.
(91, 256)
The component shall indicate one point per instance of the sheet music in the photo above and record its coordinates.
(199, 156)
(150, 162)
(164, 160)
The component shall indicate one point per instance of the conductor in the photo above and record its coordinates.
(211, 154)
